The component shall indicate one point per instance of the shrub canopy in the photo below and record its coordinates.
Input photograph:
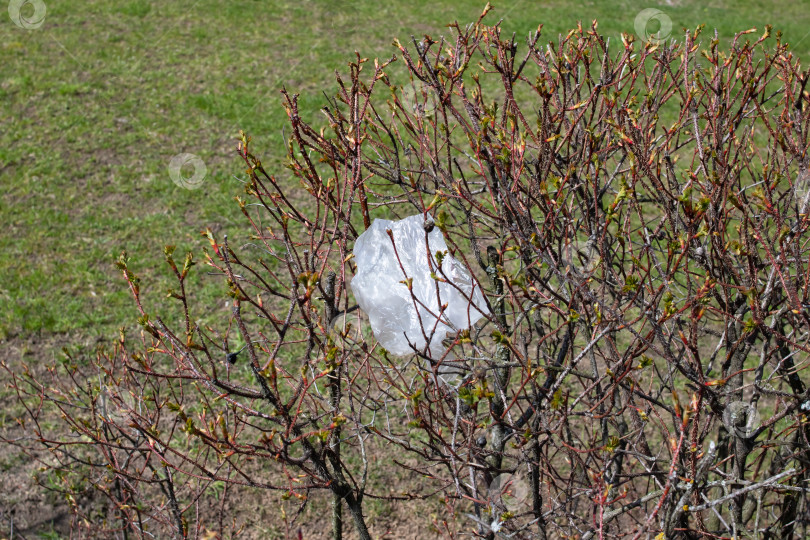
(636, 214)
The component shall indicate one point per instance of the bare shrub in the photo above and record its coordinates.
(637, 216)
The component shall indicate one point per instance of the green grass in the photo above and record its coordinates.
(99, 98)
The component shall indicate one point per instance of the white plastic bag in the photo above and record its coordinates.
(381, 288)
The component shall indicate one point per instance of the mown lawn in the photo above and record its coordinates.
(99, 98)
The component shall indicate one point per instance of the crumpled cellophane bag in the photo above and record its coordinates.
(380, 287)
